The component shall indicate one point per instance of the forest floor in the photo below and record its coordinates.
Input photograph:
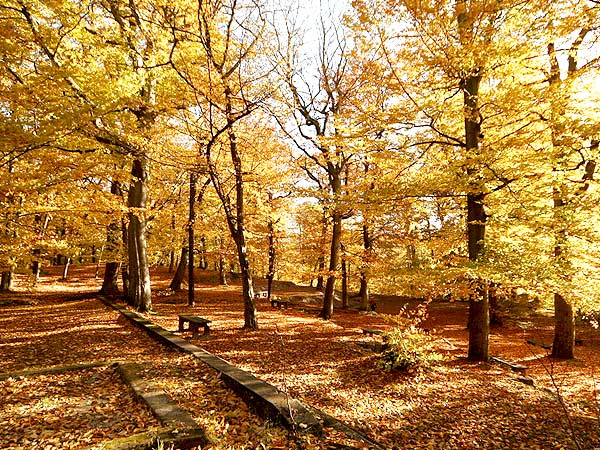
(326, 364)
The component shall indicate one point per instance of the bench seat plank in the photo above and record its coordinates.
(194, 323)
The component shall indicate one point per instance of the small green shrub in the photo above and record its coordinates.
(408, 347)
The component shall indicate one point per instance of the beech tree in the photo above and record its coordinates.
(569, 156)
(319, 113)
(231, 88)
(470, 79)
(462, 56)
(106, 58)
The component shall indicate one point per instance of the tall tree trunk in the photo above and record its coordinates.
(479, 315)
(321, 259)
(171, 261)
(495, 318)
(191, 221)
(172, 251)
(180, 272)
(98, 262)
(364, 270)
(250, 321)
(235, 214)
(364, 293)
(334, 253)
(479, 311)
(36, 266)
(133, 267)
(564, 319)
(563, 345)
(36, 269)
(6, 282)
(66, 268)
(139, 59)
(367, 239)
(344, 279)
(237, 227)
(272, 254)
(220, 262)
(564, 329)
(125, 265)
(203, 264)
(110, 285)
(222, 271)
(320, 268)
(139, 273)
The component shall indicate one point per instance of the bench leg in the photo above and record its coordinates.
(206, 330)
(181, 324)
(194, 330)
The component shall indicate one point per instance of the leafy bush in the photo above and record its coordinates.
(408, 347)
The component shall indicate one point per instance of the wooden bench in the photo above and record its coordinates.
(278, 303)
(194, 323)
(514, 366)
(372, 331)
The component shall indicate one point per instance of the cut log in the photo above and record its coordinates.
(372, 331)
(514, 366)
(539, 344)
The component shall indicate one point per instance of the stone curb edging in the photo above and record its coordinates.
(151, 440)
(181, 430)
(262, 397)
(178, 428)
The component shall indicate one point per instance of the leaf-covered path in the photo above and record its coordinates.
(86, 408)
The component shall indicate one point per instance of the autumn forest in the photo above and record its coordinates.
(418, 175)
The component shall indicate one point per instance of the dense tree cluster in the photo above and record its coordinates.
(434, 149)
